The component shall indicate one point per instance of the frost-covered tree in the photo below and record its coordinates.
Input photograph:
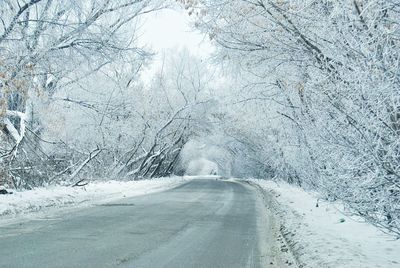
(321, 78)
(46, 47)
(176, 105)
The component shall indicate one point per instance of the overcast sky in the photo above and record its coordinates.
(171, 29)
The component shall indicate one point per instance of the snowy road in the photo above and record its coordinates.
(202, 223)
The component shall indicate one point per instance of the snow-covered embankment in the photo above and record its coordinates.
(323, 236)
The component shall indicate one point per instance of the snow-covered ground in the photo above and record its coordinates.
(323, 236)
(56, 197)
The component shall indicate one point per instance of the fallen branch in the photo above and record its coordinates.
(92, 155)
(80, 183)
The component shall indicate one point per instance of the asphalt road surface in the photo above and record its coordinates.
(202, 223)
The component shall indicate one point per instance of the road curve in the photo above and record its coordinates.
(202, 223)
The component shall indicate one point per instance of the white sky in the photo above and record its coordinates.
(171, 29)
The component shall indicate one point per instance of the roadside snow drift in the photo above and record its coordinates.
(324, 237)
(61, 196)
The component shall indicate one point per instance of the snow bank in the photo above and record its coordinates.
(324, 237)
(41, 199)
